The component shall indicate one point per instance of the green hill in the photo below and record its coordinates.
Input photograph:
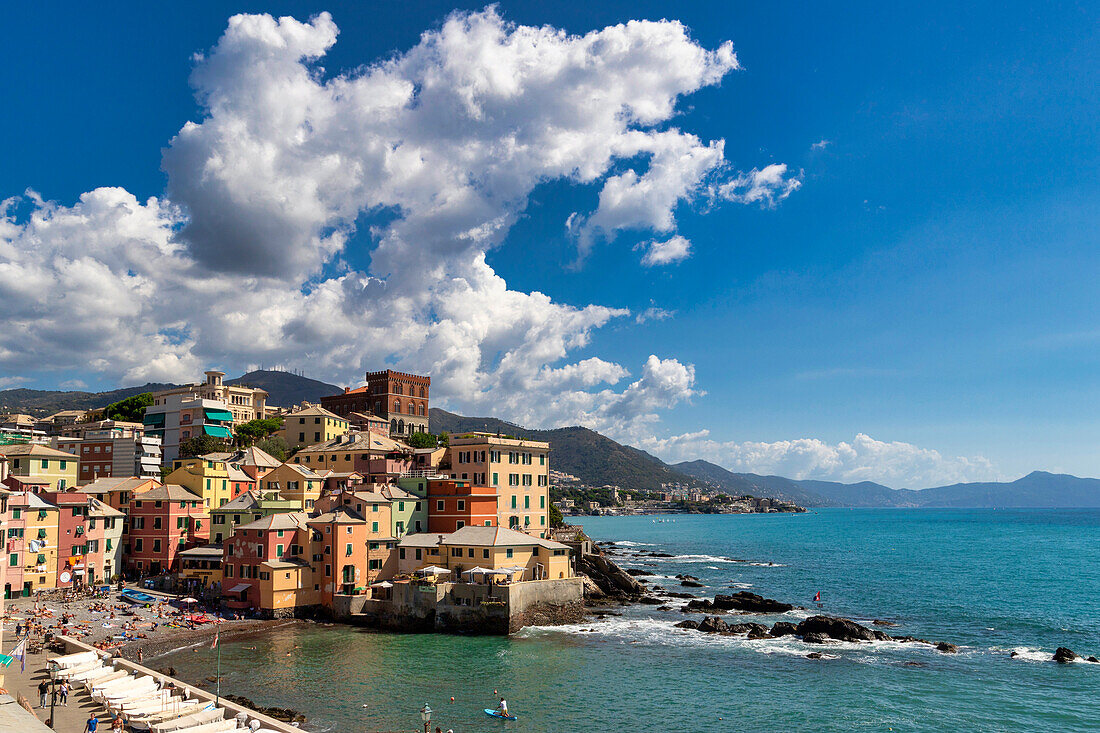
(285, 389)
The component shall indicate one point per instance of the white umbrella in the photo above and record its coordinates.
(383, 584)
(189, 600)
(433, 570)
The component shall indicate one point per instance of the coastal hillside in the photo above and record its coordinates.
(42, 402)
(770, 487)
(285, 389)
(593, 458)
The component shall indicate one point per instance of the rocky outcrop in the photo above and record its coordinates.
(286, 715)
(608, 577)
(637, 572)
(691, 584)
(713, 625)
(1062, 655)
(743, 601)
(815, 638)
(783, 628)
(946, 648)
(840, 629)
(687, 624)
(754, 631)
(650, 601)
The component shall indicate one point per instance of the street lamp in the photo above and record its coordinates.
(426, 716)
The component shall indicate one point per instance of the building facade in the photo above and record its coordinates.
(312, 425)
(454, 504)
(397, 397)
(35, 467)
(160, 523)
(378, 458)
(518, 469)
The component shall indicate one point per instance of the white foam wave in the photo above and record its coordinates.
(628, 543)
(1028, 654)
(740, 585)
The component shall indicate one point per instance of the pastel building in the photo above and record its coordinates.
(311, 425)
(216, 481)
(454, 504)
(178, 416)
(72, 536)
(295, 483)
(277, 538)
(245, 509)
(518, 469)
(520, 556)
(31, 545)
(378, 458)
(34, 467)
(106, 455)
(160, 523)
(116, 492)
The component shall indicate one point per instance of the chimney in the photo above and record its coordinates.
(347, 389)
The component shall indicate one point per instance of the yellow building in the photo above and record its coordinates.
(312, 425)
(285, 585)
(295, 483)
(519, 469)
(212, 480)
(32, 565)
(522, 556)
(36, 467)
(202, 563)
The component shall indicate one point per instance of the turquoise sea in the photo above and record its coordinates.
(990, 581)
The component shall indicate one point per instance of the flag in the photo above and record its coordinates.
(20, 653)
(214, 644)
(817, 597)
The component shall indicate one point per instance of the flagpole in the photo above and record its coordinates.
(218, 696)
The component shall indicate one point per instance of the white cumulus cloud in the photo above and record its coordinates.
(894, 463)
(767, 186)
(671, 250)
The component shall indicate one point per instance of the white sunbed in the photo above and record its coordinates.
(156, 696)
(183, 708)
(73, 660)
(67, 673)
(149, 707)
(188, 721)
(90, 675)
(219, 727)
(114, 698)
(115, 679)
(103, 679)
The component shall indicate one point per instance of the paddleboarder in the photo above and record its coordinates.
(503, 707)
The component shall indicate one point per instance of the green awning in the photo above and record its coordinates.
(217, 431)
(155, 419)
(215, 414)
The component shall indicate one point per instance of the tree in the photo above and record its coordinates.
(274, 446)
(200, 445)
(444, 439)
(556, 519)
(422, 440)
(253, 430)
(131, 409)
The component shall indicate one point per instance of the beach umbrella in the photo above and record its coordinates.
(189, 600)
(476, 571)
(383, 584)
(433, 570)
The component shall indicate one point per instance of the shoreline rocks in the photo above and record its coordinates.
(741, 601)
(1062, 655)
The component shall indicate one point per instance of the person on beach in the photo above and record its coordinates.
(91, 724)
(43, 691)
(117, 724)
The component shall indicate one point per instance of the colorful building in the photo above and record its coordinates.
(311, 425)
(117, 491)
(106, 454)
(72, 535)
(254, 461)
(161, 522)
(33, 467)
(516, 555)
(296, 483)
(202, 564)
(380, 459)
(454, 504)
(31, 545)
(211, 408)
(266, 540)
(518, 469)
(216, 481)
(245, 509)
(408, 511)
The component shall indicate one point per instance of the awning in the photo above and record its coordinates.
(240, 588)
(155, 419)
(217, 431)
(215, 414)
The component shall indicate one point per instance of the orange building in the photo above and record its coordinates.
(454, 504)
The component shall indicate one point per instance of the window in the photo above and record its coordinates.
(156, 522)
(375, 564)
(13, 559)
(401, 553)
(328, 571)
(526, 479)
(419, 553)
(439, 505)
(45, 463)
(542, 459)
(513, 479)
(374, 526)
(513, 502)
(508, 553)
(470, 552)
(496, 479)
(64, 464)
(461, 505)
(347, 550)
(485, 554)
(460, 524)
(542, 502)
(156, 545)
(278, 550)
(527, 502)
(456, 552)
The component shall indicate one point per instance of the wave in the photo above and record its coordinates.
(1032, 654)
(628, 543)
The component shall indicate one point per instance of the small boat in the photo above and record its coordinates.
(68, 673)
(497, 714)
(180, 709)
(136, 596)
(73, 660)
(222, 726)
(188, 721)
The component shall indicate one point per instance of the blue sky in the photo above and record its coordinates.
(930, 284)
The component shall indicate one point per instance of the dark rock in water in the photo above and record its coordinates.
(814, 655)
(672, 594)
(638, 571)
(914, 664)
(699, 604)
(1063, 655)
(650, 601)
(286, 715)
(881, 622)
(713, 625)
(1013, 655)
(841, 629)
(815, 638)
(783, 628)
(946, 648)
(168, 671)
(688, 624)
(664, 608)
(660, 554)
(910, 639)
(686, 577)
(1094, 660)
(759, 630)
(745, 601)
(691, 584)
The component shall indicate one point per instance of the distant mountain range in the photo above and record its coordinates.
(284, 389)
(598, 460)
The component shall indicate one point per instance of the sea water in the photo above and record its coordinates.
(990, 581)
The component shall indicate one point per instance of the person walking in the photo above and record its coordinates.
(63, 693)
(91, 725)
(117, 724)
(43, 692)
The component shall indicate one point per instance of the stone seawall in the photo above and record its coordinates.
(465, 608)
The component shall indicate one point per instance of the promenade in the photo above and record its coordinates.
(70, 718)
